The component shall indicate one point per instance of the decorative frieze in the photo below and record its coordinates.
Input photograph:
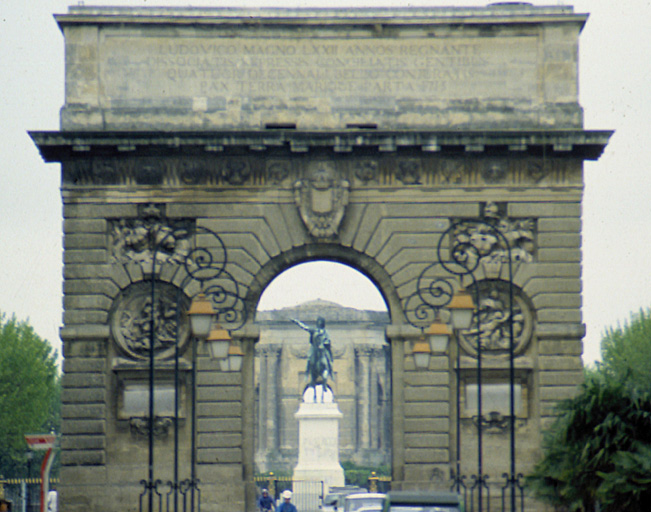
(420, 169)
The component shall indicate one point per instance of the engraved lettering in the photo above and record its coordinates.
(421, 69)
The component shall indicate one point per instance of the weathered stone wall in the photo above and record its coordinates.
(389, 230)
(407, 69)
(356, 136)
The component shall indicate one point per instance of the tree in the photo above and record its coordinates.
(626, 351)
(599, 448)
(29, 391)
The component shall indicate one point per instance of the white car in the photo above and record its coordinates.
(364, 502)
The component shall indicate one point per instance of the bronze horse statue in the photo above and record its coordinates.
(319, 360)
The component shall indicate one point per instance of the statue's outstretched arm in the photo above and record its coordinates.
(301, 324)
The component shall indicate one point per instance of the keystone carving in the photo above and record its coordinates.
(322, 197)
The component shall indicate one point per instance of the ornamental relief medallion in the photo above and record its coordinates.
(490, 327)
(321, 197)
(135, 310)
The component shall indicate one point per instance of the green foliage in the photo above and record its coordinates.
(599, 448)
(626, 351)
(29, 392)
(359, 475)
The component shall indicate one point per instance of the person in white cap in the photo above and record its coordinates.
(286, 505)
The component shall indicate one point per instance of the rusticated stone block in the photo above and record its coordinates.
(83, 380)
(220, 456)
(427, 393)
(427, 409)
(217, 440)
(83, 457)
(82, 395)
(84, 364)
(85, 426)
(219, 410)
(219, 424)
(421, 440)
(424, 456)
(561, 224)
(78, 411)
(560, 378)
(83, 443)
(415, 425)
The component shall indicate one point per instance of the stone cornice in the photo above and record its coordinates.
(58, 146)
(506, 13)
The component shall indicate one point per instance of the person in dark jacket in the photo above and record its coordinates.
(266, 502)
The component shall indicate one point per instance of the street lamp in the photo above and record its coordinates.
(460, 258)
(462, 308)
(433, 340)
(201, 315)
(218, 299)
(421, 352)
(232, 363)
(438, 334)
(218, 342)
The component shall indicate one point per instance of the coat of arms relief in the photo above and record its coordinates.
(322, 196)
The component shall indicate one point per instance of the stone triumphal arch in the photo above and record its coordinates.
(267, 138)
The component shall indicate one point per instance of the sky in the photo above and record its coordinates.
(615, 83)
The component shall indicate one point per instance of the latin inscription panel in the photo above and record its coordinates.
(206, 69)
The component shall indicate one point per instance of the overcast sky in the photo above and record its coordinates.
(615, 83)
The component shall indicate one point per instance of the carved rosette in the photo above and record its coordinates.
(494, 171)
(409, 171)
(494, 315)
(322, 197)
(131, 319)
(366, 170)
(277, 171)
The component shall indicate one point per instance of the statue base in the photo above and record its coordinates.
(318, 466)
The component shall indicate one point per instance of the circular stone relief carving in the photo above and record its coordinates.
(131, 320)
(494, 314)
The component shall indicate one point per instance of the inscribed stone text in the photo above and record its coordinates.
(418, 68)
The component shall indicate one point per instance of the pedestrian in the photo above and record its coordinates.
(5, 506)
(286, 505)
(266, 502)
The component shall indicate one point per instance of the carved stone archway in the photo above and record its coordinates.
(352, 135)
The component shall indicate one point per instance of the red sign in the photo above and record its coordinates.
(40, 441)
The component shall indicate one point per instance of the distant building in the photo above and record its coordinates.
(362, 387)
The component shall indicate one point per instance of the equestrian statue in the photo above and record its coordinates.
(319, 359)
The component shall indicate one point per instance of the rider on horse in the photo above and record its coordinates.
(319, 360)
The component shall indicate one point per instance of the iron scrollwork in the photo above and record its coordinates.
(474, 253)
(154, 242)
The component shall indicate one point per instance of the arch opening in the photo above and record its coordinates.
(356, 316)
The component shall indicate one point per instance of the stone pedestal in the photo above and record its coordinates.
(318, 453)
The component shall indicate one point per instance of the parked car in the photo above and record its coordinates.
(364, 502)
(423, 501)
(333, 501)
